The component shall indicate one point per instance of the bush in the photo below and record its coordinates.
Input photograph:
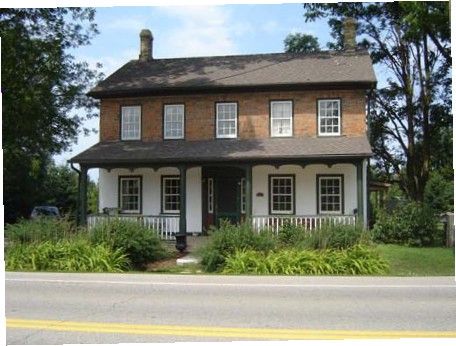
(229, 238)
(407, 224)
(39, 230)
(357, 260)
(439, 193)
(141, 244)
(77, 255)
(329, 236)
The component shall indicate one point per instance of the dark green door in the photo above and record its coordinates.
(227, 198)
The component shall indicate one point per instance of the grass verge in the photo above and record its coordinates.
(413, 261)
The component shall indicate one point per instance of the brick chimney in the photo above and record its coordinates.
(146, 39)
(350, 34)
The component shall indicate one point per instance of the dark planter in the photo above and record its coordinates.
(181, 242)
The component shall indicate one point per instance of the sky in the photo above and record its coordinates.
(187, 32)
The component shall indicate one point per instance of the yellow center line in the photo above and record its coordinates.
(225, 332)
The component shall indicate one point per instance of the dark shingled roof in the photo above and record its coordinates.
(279, 70)
(225, 150)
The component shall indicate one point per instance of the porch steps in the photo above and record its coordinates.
(187, 260)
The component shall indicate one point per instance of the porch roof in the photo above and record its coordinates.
(297, 150)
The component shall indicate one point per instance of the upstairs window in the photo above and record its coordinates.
(130, 195)
(281, 118)
(329, 117)
(173, 121)
(131, 123)
(226, 119)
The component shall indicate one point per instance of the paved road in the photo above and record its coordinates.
(46, 308)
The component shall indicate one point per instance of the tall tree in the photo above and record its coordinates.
(301, 43)
(42, 86)
(412, 117)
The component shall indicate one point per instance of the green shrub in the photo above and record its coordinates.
(407, 224)
(76, 255)
(40, 229)
(141, 244)
(357, 260)
(329, 236)
(439, 193)
(228, 238)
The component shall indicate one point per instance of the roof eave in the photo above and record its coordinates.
(211, 89)
(215, 160)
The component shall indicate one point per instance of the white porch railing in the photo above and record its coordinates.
(165, 226)
(274, 223)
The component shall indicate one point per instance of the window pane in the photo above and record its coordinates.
(330, 195)
(281, 195)
(329, 117)
(174, 121)
(281, 118)
(130, 195)
(171, 194)
(226, 120)
(131, 123)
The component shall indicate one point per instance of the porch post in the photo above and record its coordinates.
(83, 196)
(360, 191)
(248, 192)
(181, 237)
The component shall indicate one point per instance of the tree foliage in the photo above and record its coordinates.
(42, 86)
(60, 188)
(301, 43)
(411, 116)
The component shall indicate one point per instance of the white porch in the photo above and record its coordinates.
(168, 226)
(306, 197)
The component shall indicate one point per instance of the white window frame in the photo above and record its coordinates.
(130, 118)
(280, 118)
(168, 109)
(273, 178)
(322, 108)
(137, 195)
(165, 179)
(234, 119)
(321, 195)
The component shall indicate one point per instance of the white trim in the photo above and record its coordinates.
(234, 135)
(289, 118)
(339, 117)
(121, 195)
(271, 194)
(181, 109)
(340, 195)
(164, 210)
(136, 114)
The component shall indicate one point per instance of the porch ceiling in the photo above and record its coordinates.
(266, 150)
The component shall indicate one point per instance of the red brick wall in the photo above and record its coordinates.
(253, 112)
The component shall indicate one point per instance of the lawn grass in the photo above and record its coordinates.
(410, 261)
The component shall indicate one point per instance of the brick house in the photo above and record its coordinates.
(187, 142)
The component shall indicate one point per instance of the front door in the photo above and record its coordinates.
(227, 200)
